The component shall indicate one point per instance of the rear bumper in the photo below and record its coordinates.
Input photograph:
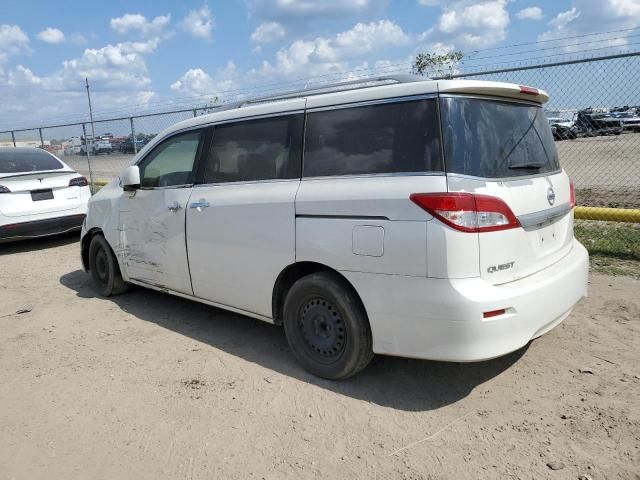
(442, 319)
(40, 228)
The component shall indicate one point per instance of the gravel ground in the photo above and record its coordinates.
(150, 386)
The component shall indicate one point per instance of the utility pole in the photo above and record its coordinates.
(93, 135)
(93, 131)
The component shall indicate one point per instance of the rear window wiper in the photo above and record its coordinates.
(526, 165)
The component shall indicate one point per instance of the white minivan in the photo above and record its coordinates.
(425, 219)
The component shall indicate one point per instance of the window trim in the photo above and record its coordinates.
(199, 179)
(196, 161)
(379, 101)
(367, 103)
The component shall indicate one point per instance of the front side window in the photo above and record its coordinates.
(400, 137)
(171, 163)
(253, 150)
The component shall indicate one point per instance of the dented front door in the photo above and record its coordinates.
(152, 237)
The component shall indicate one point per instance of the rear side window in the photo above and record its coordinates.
(16, 160)
(387, 138)
(496, 139)
(252, 150)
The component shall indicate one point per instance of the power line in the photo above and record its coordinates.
(557, 39)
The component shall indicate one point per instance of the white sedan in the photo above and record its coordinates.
(39, 195)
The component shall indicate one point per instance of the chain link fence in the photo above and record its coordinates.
(594, 113)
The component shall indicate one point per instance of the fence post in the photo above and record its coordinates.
(86, 148)
(195, 112)
(133, 136)
(13, 138)
(41, 140)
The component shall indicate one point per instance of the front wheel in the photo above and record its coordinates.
(104, 268)
(326, 326)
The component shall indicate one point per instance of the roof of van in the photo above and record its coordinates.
(404, 87)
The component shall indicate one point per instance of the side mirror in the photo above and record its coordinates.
(131, 178)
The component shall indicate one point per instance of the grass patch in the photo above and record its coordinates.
(608, 239)
(614, 266)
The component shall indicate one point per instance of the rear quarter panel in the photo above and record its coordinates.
(365, 224)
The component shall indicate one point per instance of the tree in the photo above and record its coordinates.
(211, 106)
(440, 64)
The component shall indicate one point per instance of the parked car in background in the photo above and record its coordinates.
(97, 147)
(127, 146)
(103, 146)
(39, 195)
(630, 120)
(591, 124)
(562, 129)
(408, 230)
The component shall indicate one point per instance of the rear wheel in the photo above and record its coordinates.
(326, 326)
(104, 268)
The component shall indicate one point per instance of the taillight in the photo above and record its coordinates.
(78, 182)
(4, 189)
(467, 212)
(529, 90)
(572, 194)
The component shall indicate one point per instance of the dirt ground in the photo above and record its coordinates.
(150, 386)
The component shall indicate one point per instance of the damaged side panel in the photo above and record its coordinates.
(103, 214)
(151, 238)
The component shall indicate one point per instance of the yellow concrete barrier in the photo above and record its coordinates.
(629, 215)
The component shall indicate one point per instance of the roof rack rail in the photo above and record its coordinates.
(336, 87)
(321, 89)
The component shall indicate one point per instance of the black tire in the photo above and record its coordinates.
(326, 326)
(104, 268)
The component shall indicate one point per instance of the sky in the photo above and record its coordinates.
(152, 55)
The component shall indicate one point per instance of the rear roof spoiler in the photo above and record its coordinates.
(497, 89)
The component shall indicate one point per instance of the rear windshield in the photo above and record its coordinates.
(14, 160)
(496, 139)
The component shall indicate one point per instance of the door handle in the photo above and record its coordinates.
(199, 204)
(175, 206)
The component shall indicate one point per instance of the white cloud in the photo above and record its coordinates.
(13, 41)
(470, 25)
(119, 80)
(268, 32)
(296, 10)
(51, 35)
(23, 76)
(625, 8)
(197, 82)
(329, 54)
(77, 39)
(120, 66)
(117, 72)
(587, 16)
(565, 18)
(530, 13)
(199, 23)
(135, 22)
